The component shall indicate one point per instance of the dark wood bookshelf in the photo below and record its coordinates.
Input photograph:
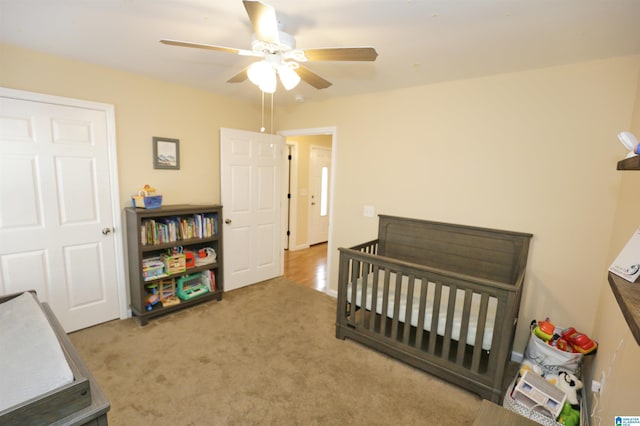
(628, 296)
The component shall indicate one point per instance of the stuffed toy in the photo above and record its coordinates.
(528, 366)
(568, 383)
(569, 416)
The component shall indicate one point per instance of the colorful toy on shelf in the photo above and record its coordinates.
(152, 299)
(579, 341)
(146, 198)
(544, 330)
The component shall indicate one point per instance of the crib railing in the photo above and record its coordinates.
(377, 297)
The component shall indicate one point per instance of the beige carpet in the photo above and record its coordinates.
(264, 355)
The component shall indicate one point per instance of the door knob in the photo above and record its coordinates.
(106, 231)
(227, 221)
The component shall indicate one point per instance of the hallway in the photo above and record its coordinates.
(307, 267)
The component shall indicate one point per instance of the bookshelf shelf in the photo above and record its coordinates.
(168, 230)
(628, 297)
(632, 163)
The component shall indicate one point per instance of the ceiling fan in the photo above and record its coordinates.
(279, 54)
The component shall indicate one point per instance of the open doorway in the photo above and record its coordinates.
(308, 208)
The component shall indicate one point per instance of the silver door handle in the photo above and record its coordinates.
(227, 221)
(106, 231)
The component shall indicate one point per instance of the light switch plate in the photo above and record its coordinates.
(369, 211)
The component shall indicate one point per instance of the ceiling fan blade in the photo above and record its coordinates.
(240, 77)
(264, 20)
(242, 52)
(312, 78)
(341, 54)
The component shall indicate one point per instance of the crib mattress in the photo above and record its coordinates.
(442, 314)
(31, 360)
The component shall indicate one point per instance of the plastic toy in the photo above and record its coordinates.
(569, 416)
(153, 299)
(560, 343)
(544, 330)
(579, 341)
(630, 142)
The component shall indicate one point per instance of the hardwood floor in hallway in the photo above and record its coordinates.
(307, 267)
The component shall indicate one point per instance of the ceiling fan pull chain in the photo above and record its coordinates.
(271, 129)
(262, 120)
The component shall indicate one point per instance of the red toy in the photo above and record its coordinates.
(579, 341)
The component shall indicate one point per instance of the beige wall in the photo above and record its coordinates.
(143, 108)
(533, 151)
(619, 354)
(301, 197)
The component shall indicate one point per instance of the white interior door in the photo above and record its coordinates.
(56, 217)
(319, 173)
(251, 186)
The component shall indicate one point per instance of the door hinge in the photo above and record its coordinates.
(288, 233)
(289, 196)
(289, 157)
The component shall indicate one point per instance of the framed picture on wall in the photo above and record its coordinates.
(166, 153)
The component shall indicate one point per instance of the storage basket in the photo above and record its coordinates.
(174, 264)
(551, 359)
(147, 202)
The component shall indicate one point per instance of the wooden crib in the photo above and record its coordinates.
(441, 297)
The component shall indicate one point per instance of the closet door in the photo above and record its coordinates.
(56, 217)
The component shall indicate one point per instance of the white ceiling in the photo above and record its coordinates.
(418, 41)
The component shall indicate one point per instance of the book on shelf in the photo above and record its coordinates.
(173, 229)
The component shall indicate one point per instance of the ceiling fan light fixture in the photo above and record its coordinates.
(257, 72)
(288, 77)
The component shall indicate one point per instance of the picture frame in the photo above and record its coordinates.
(166, 153)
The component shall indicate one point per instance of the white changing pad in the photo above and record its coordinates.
(442, 315)
(31, 360)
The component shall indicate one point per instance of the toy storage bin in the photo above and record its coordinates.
(147, 202)
(174, 264)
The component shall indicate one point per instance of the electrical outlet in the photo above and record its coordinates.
(595, 386)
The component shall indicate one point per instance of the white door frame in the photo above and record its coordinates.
(109, 112)
(333, 131)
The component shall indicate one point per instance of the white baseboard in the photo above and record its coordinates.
(517, 357)
(299, 247)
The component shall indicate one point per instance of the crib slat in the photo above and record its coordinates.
(385, 302)
(424, 286)
(482, 319)
(366, 269)
(374, 297)
(451, 309)
(408, 310)
(397, 292)
(435, 315)
(355, 270)
(464, 326)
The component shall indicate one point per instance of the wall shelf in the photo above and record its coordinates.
(632, 163)
(628, 296)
